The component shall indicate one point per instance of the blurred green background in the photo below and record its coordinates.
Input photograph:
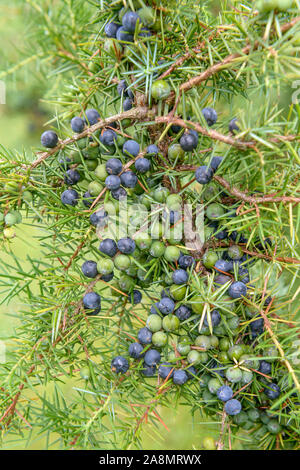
(21, 123)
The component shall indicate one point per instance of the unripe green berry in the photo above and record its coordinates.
(178, 292)
(122, 262)
(170, 323)
(172, 253)
(213, 385)
(126, 283)
(154, 323)
(236, 351)
(234, 374)
(209, 259)
(159, 339)
(209, 443)
(95, 188)
(105, 266)
(100, 172)
(157, 249)
(203, 342)
(160, 90)
(194, 357)
(175, 152)
(214, 211)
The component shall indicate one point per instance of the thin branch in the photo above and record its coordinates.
(215, 135)
(138, 113)
(267, 198)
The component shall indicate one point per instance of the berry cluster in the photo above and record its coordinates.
(204, 327)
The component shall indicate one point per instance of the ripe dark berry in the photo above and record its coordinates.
(135, 350)
(123, 89)
(126, 245)
(204, 174)
(215, 163)
(135, 297)
(70, 197)
(191, 372)
(233, 125)
(107, 277)
(265, 367)
(180, 377)
(92, 301)
(89, 269)
(112, 182)
(129, 21)
(72, 177)
(108, 137)
(154, 310)
(87, 199)
(145, 33)
(99, 218)
(148, 371)
(92, 116)
(119, 194)
(223, 265)
(224, 393)
(237, 289)
(233, 407)
(188, 141)
(129, 179)
(221, 279)
(127, 104)
(272, 391)
(145, 336)
(131, 148)
(123, 35)
(119, 365)
(64, 163)
(49, 139)
(142, 165)
(166, 369)
(210, 116)
(183, 312)
(220, 234)
(152, 357)
(108, 247)
(113, 166)
(77, 124)
(111, 29)
(257, 325)
(185, 261)
(166, 306)
(180, 276)
(215, 318)
(152, 150)
(171, 216)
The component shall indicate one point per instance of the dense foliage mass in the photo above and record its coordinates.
(165, 206)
